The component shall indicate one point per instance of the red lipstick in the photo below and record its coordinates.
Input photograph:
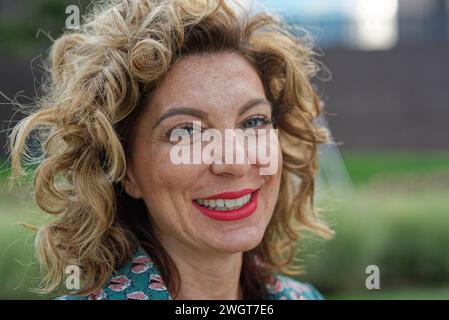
(230, 215)
(231, 194)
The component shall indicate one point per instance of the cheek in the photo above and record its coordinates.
(274, 186)
(165, 185)
(274, 178)
(274, 182)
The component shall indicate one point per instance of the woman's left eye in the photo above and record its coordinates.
(255, 122)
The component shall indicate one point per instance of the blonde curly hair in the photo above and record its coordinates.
(100, 79)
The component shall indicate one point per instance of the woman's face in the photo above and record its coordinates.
(223, 91)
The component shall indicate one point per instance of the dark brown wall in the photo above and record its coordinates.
(396, 99)
(18, 77)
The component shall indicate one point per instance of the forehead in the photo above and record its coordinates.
(205, 80)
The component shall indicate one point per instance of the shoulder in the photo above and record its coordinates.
(286, 288)
(138, 279)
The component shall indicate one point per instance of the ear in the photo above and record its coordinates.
(130, 184)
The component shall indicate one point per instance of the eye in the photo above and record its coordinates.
(256, 122)
(184, 130)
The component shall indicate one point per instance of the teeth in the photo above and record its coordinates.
(219, 203)
(229, 203)
(225, 204)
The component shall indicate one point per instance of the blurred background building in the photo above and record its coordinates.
(389, 66)
(385, 85)
(387, 58)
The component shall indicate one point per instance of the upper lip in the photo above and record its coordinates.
(231, 194)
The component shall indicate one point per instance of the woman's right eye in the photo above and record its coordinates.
(183, 131)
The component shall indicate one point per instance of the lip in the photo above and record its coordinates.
(231, 194)
(155, 282)
(138, 295)
(119, 283)
(230, 215)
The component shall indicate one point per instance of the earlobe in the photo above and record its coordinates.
(130, 186)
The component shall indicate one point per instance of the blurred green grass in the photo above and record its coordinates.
(404, 233)
(18, 268)
(424, 293)
(27, 28)
(364, 166)
(397, 219)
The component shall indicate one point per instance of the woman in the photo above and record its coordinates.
(137, 224)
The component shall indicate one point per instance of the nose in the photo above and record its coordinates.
(233, 161)
(237, 170)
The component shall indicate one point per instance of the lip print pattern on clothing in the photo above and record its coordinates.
(139, 279)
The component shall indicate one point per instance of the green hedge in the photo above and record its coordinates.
(404, 231)
(405, 234)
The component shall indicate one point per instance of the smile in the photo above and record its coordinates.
(229, 205)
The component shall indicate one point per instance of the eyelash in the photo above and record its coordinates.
(264, 120)
(184, 126)
(187, 126)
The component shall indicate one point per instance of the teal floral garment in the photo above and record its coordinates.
(139, 279)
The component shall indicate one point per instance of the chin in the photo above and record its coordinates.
(234, 241)
(234, 236)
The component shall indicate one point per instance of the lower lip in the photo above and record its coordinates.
(230, 215)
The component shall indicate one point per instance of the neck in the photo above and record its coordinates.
(207, 276)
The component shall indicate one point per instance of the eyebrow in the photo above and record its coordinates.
(252, 103)
(203, 115)
(181, 111)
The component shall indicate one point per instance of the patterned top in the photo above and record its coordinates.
(139, 279)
